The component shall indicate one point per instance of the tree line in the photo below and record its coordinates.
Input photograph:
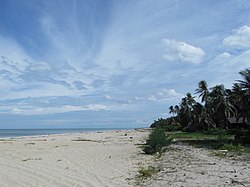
(216, 106)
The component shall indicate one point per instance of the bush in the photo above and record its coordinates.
(169, 124)
(156, 141)
(233, 148)
(242, 136)
(147, 172)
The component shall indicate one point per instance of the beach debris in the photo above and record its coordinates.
(31, 159)
(31, 143)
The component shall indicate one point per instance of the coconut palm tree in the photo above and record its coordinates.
(185, 109)
(176, 109)
(171, 110)
(220, 106)
(235, 97)
(203, 91)
(245, 100)
(245, 84)
(201, 118)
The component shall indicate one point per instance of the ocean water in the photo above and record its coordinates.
(33, 132)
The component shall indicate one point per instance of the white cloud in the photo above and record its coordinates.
(39, 67)
(166, 95)
(41, 90)
(240, 38)
(33, 110)
(182, 52)
(225, 67)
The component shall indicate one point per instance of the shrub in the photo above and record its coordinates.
(156, 141)
(147, 172)
(243, 136)
(233, 148)
(169, 124)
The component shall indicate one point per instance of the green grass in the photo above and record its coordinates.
(233, 148)
(214, 140)
(200, 136)
(147, 172)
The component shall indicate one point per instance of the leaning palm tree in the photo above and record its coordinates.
(203, 91)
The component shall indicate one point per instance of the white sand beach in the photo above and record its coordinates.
(79, 159)
(111, 158)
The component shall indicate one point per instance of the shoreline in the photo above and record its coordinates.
(71, 131)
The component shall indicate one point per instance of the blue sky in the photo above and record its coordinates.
(114, 63)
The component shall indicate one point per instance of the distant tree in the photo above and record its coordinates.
(220, 106)
(245, 87)
(171, 110)
(203, 91)
(174, 109)
(201, 119)
(185, 110)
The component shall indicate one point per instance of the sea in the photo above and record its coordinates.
(33, 132)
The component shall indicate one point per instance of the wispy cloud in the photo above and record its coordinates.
(166, 95)
(33, 110)
(240, 38)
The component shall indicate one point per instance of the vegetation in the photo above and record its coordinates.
(147, 172)
(220, 141)
(169, 124)
(157, 141)
(213, 110)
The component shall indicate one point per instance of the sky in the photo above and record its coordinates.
(114, 63)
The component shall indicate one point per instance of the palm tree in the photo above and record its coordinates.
(171, 110)
(203, 91)
(185, 110)
(245, 86)
(220, 106)
(190, 99)
(176, 109)
(235, 96)
(201, 118)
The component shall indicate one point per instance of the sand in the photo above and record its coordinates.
(112, 158)
(81, 159)
(184, 165)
